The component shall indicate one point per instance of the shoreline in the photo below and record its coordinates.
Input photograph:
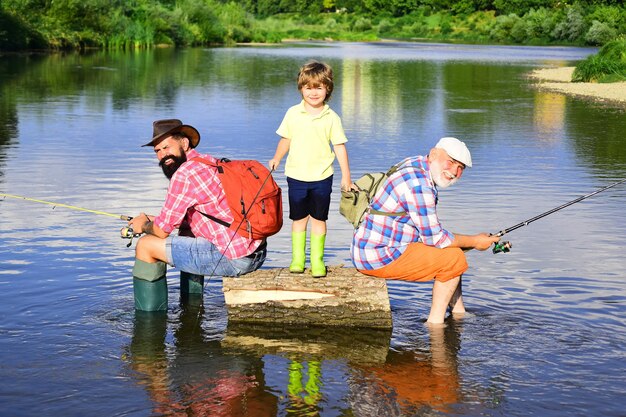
(558, 80)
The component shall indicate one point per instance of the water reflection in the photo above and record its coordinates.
(549, 116)
(255, 370)
(412, 382)
(598, 139)
(309, 369)
(8, 112)
(194, 376)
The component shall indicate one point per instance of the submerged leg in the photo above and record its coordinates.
(191, 283)
(442, 296)
(191, 288)
(150, 286)
(456, 303)
(149, 282)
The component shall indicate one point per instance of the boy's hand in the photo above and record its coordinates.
(348, 185)
(273, 164)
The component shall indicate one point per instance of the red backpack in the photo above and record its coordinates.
(254, 198)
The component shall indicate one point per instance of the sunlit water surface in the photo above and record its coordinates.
(545, 332)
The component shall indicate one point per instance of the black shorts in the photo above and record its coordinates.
(309, 198)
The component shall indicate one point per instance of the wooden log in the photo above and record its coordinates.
(345, 297)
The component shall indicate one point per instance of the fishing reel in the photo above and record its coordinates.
(503, 247)
(128, 233)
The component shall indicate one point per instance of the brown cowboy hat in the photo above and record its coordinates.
(162, 129)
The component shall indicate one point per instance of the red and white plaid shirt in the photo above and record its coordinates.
(195, 189)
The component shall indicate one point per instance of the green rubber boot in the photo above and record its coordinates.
(191, 289)
(191, 283)
(298, 244)
(150, 286)
(318, 269)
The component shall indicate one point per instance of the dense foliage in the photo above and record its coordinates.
(65, 24)
(608, 65)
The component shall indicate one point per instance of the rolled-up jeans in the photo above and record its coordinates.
(197, 255)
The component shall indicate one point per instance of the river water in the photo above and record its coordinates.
(545, 330)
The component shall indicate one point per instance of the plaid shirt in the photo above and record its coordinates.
(381, 239)
(195, 189)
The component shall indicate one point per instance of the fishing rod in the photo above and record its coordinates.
(506, 246)
(125, 233)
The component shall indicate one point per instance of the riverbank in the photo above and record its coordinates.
(558, 79)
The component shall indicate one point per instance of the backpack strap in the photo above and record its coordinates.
(385, 213)
(215, 219)
(220, 170)
(397, 167)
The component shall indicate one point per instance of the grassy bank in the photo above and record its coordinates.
(608, 65)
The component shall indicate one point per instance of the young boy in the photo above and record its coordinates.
(307, 131)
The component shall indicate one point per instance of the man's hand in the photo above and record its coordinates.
(485, 240)
(144, 224)
(481, 241)
(138, 223)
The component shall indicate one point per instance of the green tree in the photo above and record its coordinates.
(539, 23)
(600, 33)
(572, 27)
(519, 7)
(15, 34)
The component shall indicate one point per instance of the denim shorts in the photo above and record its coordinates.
(197, 255)
(309, 198)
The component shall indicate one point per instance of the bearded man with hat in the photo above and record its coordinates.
(402, 238)
(201, 246)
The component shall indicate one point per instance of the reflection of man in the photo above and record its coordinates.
(197, 377)
(194, 191)
(414, 246)
(410, 381)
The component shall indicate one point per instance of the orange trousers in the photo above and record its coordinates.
(421, 262)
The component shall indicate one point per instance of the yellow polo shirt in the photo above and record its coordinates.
(311, 155)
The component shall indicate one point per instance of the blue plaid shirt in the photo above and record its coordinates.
(381, 239)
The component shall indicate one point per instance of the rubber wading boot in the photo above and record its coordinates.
(298, 244)
(150, 286)
(318, 269)
(191, 283)
(191, 289)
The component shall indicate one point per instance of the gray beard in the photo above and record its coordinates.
(438, 177)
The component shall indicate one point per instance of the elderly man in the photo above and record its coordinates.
(415, 246)
(202, 246)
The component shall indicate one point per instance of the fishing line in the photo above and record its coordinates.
(103, 213)
(506, 246)
(125, 233)
(231, 240)
(239, 225)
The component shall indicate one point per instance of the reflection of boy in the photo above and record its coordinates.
(312, 388)
(307, 131)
